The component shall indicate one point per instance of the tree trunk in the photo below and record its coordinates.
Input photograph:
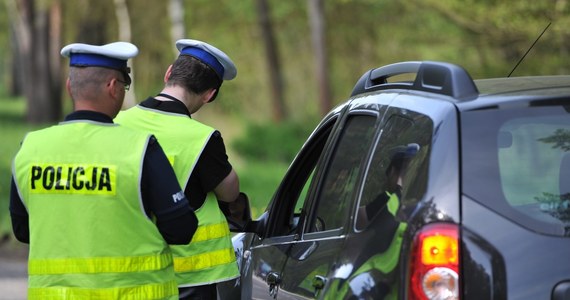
(16, 87)
(316, 19)
(54, 44)
(32, 26)
(562, 35)
(273, 62)
(20, 38)
(177, 29)
(124, 23)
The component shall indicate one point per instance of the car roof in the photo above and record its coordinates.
(453, 83)
(498, 91)
(556, 85)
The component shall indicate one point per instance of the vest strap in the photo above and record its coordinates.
(210, 232)
(168, 290)
(204, 261)
(99, 264)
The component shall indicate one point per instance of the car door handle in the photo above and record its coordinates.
(561, 291)
(273, 279)
(319, 282)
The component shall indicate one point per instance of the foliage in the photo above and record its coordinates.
(4, 59)
(12, 131)
(486, 37)
(259, 180)
(557, 206)
(560, 139)
(270, 142)
(502, 31)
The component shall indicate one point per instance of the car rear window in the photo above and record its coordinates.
(516, 161)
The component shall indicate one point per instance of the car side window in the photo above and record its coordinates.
(289, 201)
(397, 172)
(343, 173)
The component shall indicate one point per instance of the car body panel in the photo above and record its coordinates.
(517, 262)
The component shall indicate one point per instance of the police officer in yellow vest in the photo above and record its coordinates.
(85, 193)
(381, 267)
(199, 158)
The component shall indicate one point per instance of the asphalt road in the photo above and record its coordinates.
(13, 278)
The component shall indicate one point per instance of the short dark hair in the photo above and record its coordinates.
(85, 82)
(193, 75)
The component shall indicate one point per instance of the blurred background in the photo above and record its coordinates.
(296, 59)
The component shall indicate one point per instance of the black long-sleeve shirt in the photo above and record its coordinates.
(175, 220)
(212, 165)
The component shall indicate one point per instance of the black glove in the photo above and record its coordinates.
(238, 212)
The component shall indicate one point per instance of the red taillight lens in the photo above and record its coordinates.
(434, 266)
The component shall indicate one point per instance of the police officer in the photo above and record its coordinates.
(85, 193)
(199, 158)
(382, 266)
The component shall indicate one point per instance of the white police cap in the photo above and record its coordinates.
(210, 55)
(405, 151)
(113, 55)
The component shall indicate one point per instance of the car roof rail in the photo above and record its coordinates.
(431, 76)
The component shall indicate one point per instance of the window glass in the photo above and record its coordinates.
(304, 193)
(343, 172)
(291, 196)
(398, 169)
(517, 160)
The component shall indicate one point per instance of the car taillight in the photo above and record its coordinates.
(434, 268)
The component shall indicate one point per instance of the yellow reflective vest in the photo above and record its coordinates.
(89, 235)
(209, 258)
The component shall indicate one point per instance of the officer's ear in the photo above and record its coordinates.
(68, 87)
(167, 74)
(209, 95)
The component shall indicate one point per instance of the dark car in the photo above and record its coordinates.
(424, 184)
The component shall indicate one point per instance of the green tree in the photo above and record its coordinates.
(560, 139)
(508, 28)
(273, 61)
(37, 35)
(318, 29)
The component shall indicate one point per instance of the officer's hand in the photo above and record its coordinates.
(238, 212)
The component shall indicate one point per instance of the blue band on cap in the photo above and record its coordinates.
(96, 60)
(206, 58)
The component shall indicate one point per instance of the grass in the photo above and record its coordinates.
(258, 179)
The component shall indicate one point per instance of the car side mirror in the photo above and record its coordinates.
(253, 226)
(259, 226)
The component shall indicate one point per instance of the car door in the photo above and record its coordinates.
(308, 216)
(328, 208)
(306, 230)
(266, 256)
(370, 264)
